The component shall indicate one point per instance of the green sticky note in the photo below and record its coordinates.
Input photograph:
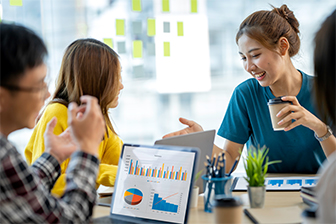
(108, 41)
(193, 4)
(120, 27)
(137, 49)
(151, 27)
(166, 49)
(15, 2)
(136, 5)
(165, 5)
(179, 28)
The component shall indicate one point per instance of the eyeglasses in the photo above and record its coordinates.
(42, 89)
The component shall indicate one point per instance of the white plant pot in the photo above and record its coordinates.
(256, 196)
(194, 197)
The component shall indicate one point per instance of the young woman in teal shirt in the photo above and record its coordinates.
(267, 40)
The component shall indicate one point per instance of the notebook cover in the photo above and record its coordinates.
(283, 215)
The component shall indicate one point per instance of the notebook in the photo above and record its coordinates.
(274, 215)
(203, 140)
(153, 185)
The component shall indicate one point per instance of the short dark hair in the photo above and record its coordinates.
(21, 49)
(325, 68)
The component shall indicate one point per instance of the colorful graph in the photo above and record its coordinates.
(163, 172)
(133, 196)
(161, 204)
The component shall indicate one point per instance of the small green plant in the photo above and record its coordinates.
(198, 175)
(256, 167)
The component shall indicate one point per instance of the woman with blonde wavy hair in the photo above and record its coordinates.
(89, 67)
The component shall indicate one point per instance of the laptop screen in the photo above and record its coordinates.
(154, 182)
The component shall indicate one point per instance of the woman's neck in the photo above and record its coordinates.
(289, 84)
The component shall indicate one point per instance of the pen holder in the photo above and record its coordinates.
(213, 187)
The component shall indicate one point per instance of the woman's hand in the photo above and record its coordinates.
(193, 127)
(301, 116)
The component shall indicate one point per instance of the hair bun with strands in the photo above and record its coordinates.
(288, 15)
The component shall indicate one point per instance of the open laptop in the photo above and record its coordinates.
(153, 185)
(203, 140)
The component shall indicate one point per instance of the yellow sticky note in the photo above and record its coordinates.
(108, 41)
(136, 5)
(166, 49)
(165, 5)
(120, 27)
(193, 4)
(15, 2)
(137, 49)
(179, 28)
(151, 27)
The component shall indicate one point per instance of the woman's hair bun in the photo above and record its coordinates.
(288, 15)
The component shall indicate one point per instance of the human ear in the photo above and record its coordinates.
(283, 45)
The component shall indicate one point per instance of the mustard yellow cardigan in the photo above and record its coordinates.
(109, 148)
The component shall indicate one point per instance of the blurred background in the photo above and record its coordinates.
(179, 57)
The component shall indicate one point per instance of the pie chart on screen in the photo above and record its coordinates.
(133, 196)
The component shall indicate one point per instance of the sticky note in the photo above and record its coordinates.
(166, 49)
(108, 41)
(136, 5)
(137, 49)
(120, 27)
(165, 5)
(137, 27)
(166, 27)
(193, 4)
(15, 2)
(138, 71)
(121, 47)
(151, 27)
(151, 49)
(179, 28)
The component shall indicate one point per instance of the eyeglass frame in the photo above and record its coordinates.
(43, 89)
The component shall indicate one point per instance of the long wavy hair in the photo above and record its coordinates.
(89, 67)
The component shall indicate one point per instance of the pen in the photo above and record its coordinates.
(234, 165)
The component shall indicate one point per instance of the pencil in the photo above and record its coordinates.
(224, 165)
(234, 165)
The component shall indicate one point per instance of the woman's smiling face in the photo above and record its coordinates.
(263, 64)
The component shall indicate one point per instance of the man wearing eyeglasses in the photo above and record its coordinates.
(25, 191)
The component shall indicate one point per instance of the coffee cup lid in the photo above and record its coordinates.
(276, 100)
(225, 201)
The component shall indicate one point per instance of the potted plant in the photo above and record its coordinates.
(256, 166)
(195, 191)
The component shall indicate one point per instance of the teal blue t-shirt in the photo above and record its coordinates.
(247, 120)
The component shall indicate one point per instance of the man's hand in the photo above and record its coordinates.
(61, 146)
(193, 127)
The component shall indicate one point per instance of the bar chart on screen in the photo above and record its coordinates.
(166, 202)
(160, 170)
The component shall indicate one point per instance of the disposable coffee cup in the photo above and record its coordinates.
(227, 209)
(275, 105)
